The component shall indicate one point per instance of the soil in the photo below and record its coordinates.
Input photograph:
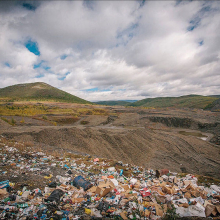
(165, 138)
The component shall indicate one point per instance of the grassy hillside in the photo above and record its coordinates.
(38, 91)
(214, 106)
(189, 101)
(216, 96)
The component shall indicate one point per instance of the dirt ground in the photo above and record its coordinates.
(181, 140)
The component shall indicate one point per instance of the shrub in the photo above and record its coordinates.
(84, 122)
(5, 119)
(44, 117)
(13, 122)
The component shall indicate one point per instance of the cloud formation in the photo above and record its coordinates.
(101, 50)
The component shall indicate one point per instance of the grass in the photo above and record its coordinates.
(33, 110)
(5, 119)
(22, 110)
(196, 134)
(207, 180)
(84, 122)
(11, 122)
(171, 214)
(203, 180)
(44, 117)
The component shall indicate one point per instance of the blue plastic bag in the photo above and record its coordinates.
(80, 181)
(4, 184)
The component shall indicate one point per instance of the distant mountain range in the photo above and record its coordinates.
(119, 102)
(38, 91)
(188, 101)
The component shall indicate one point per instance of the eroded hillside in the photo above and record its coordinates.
(173, 139)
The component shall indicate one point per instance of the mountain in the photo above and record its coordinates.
(117, 102)
(188, 101)
(38, 91)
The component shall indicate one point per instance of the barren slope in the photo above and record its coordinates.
(153, 138)
(155, 149)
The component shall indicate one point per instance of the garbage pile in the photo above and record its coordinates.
(38, 186)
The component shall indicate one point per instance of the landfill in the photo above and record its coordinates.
(36, 185)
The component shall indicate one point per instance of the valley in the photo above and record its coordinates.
(182, 140)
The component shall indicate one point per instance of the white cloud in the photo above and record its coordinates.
(124, 50)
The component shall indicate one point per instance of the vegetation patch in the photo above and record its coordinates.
(11, 122)
(65, 120)
(171, 214)
(84, 122)
(207, 180)
(92, 111)
(23, 110)
(196, 134)
(33, 110)
(44, 117)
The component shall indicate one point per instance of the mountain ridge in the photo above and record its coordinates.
(187, 101)
(38, 91)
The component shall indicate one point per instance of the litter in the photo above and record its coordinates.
(92, 188)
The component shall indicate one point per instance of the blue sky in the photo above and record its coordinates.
(115, 50)
(32, 46)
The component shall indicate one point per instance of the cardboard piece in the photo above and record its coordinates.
(187, 195)
(146, 213)
(191, 187)
(207, 203)
(126, 187)
(185, 205)
(123, 215)
(209, 209)
(214, 212)
(104, 188)
(218, 208)
(92, 190)
(77, 200)
(3, 191)
(166, 189)
(159, 210)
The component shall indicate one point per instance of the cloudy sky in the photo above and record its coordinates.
(108, 50)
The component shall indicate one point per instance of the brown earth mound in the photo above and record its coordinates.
(151, 148)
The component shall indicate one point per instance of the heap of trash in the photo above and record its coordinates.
(35, 185)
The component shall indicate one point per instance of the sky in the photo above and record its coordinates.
(112, 50)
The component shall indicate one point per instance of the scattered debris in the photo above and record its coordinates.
(39, 186)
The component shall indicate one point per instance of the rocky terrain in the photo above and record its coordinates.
(181, 140)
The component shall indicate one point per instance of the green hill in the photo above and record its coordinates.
(189, 101)
(38, 91)
(216, 96)
(214, 106)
